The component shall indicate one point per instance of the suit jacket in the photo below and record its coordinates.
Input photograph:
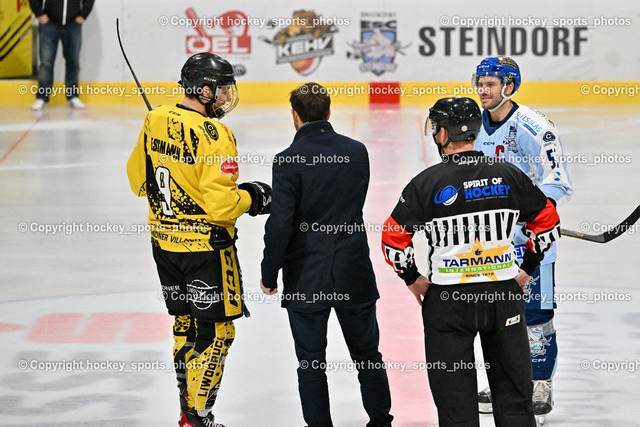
(316, 232)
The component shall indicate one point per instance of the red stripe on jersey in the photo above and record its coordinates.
(546, 220)
(393, 234)
(396, 237)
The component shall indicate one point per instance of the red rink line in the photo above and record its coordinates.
(399, 315)
(87, 115)
(353, 126)
(402, 341)
(24, 135)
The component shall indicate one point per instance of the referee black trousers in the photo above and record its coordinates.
(360, 329)
(453, 316)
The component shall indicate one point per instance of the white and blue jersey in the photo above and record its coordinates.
(530, 141)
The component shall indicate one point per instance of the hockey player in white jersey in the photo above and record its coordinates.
(526, 138)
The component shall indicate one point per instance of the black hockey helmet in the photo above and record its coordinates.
(205, 68)
(459, 115)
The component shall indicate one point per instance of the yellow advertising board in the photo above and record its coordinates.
(16, 39)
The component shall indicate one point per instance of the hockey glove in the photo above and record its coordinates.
(260, 197)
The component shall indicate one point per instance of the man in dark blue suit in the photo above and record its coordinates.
(317, 236)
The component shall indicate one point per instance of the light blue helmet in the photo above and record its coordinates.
(503, 67)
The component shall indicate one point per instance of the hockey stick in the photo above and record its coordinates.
(144, 96)
(607, 236)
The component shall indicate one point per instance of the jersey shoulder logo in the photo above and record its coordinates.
(211, 130)
(548, 136)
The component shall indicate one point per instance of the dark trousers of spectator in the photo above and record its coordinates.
(49, 35)
(360, 329)
(453, 316)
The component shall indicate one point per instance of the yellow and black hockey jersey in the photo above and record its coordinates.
(186, 165)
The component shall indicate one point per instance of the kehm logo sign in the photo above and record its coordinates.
(305, 42)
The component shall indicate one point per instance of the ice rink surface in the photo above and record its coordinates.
(86, 300)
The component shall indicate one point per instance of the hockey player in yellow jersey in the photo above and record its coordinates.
(185, 164)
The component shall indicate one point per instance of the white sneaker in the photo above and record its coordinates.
(38, 105)
(76, 103)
